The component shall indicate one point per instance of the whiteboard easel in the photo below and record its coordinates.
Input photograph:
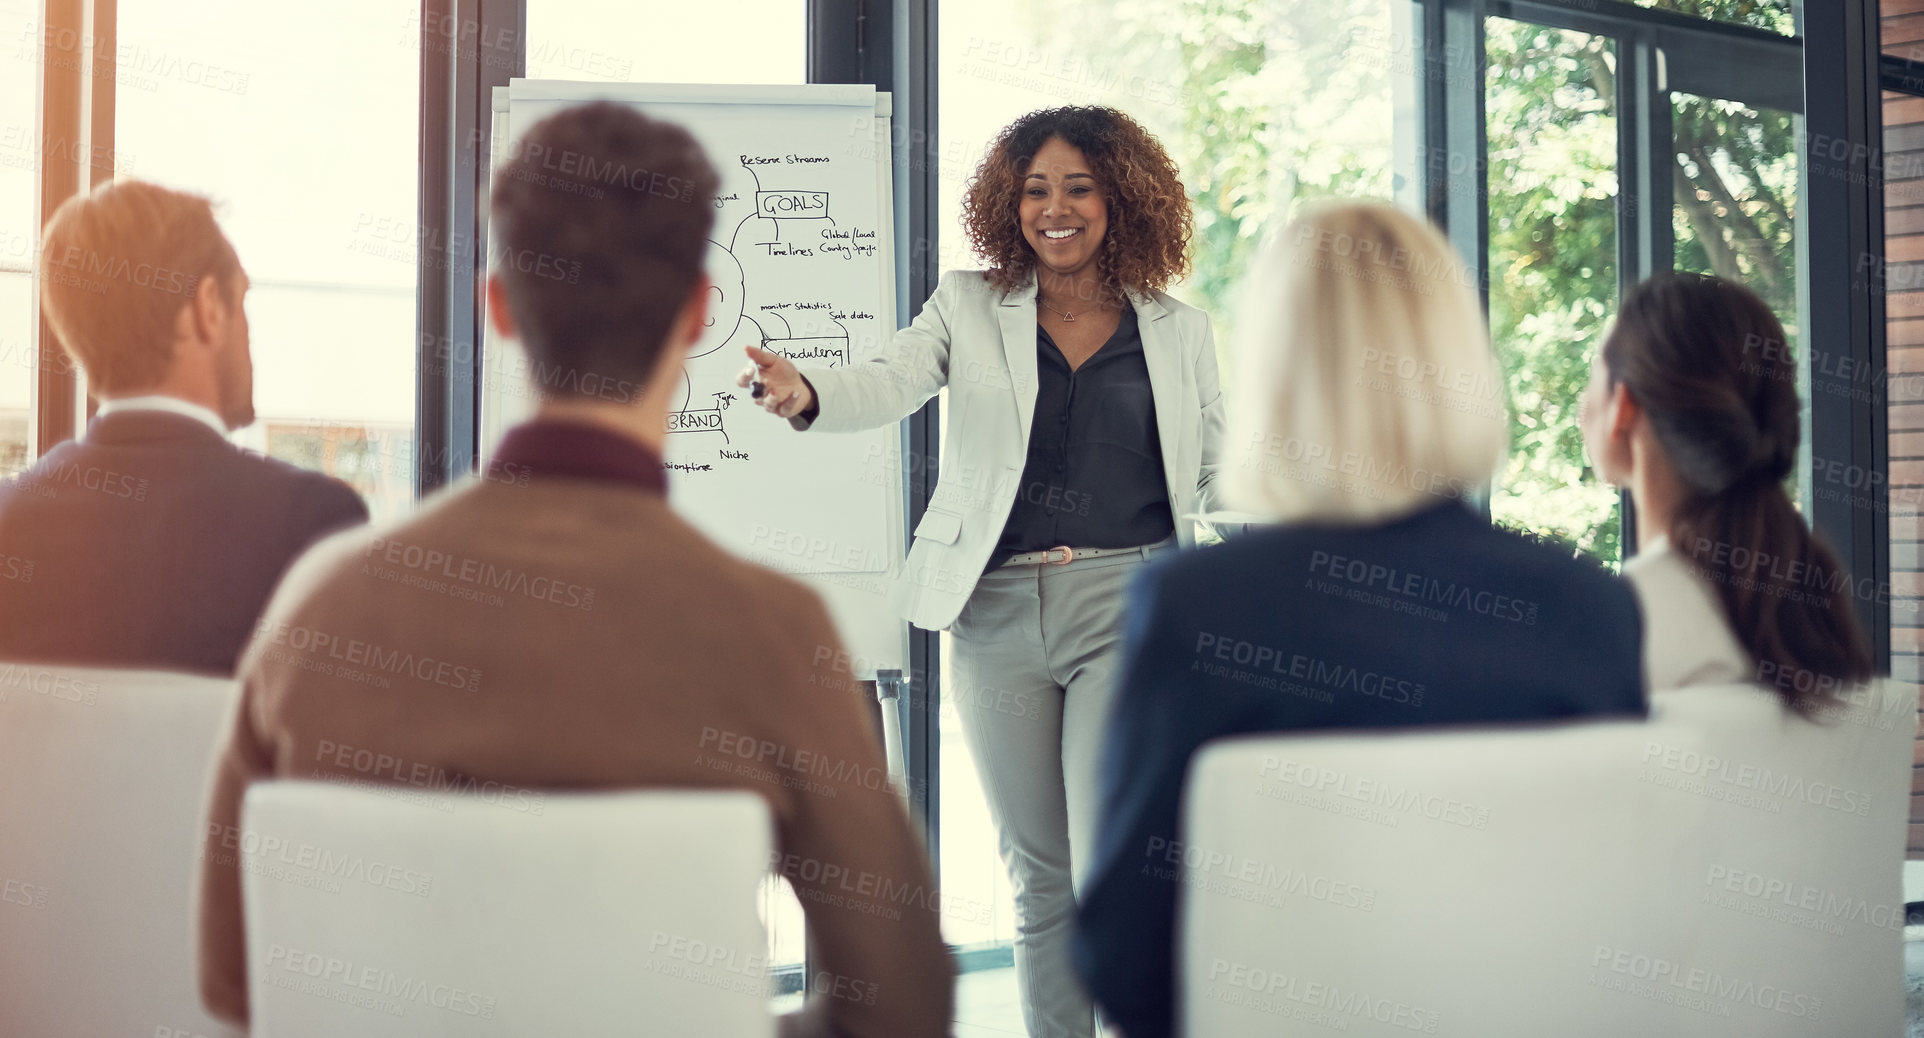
(782, 302)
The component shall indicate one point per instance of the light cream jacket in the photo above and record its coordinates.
(1686, 638)
(980, 342)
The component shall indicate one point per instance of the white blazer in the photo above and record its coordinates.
(980, 342)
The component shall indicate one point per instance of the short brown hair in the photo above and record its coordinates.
(1149, 214)
(601, 222)
(117, 265)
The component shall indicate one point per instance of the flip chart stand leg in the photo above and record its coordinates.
(888, 689)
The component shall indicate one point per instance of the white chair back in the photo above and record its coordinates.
(388, 912)
(1725, 869)
(103, 777)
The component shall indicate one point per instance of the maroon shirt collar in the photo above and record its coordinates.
(547, 447)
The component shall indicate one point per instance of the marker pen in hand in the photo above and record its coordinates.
(756, 389)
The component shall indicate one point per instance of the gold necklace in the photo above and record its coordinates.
(1066, 316)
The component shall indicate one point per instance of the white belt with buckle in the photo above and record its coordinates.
(1064, 555)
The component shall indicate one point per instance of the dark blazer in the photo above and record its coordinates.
(152, 542)
(1436, 618)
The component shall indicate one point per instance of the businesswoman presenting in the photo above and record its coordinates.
(1084, 423)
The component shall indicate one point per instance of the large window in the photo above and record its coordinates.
(303, 131)
(1584, 198)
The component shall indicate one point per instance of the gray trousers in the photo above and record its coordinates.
(1035, 655)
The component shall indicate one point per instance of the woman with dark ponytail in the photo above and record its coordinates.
(1693, 407)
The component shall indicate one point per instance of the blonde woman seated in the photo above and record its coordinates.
(1693, 406)
(1369, 412)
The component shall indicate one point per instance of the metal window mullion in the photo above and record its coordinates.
(1646, 162)
(102, 106)
(1457, 149)
(1433, 120)
(468, 47)
(1455, 145)
(912, 64)
(76, 113)
(1843, 304)
(1902, 75)
(434, 357)
(105, 19)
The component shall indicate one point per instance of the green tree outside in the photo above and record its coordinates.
(1267, 106)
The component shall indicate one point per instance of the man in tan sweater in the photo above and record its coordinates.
(553, 625)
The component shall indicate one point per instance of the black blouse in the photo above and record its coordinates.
(1094, 476)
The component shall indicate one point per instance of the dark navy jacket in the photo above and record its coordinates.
(1435, 618)
(152, 542)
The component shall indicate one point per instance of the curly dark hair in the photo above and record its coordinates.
(1146, 246)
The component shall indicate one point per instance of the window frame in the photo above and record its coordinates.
(77, 105)
(1838, 63)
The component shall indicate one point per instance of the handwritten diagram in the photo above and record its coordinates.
(784, 225)
(798, 263)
